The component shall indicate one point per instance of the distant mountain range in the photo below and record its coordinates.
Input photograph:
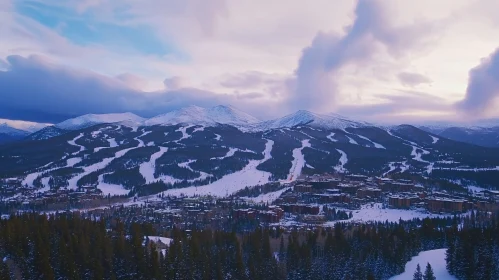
(221, 150)
(483, 133)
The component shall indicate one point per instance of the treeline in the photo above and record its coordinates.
(473, 251)
(66, 246)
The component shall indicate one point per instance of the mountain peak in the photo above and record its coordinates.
(220, 114)
(94, 119)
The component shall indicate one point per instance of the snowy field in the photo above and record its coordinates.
(375, 213)
(436, 258)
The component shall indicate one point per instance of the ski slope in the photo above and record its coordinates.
(231, 183)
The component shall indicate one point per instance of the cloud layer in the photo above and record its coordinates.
(483, 87)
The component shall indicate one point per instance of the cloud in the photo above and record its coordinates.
(174, 83)
(36, 89)
(320, 64)
(132, 81)
(406, 106)
(483, 87)
(413, 79)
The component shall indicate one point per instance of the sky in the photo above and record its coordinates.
(375, 60)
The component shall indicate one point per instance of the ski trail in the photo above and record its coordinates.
(218, 137)
(112, 144)
(30, 178)
(330, 137)
(104, 163)
(73, 143)
(351, 141)
(148, 168)
(376, 145)
(231, 183)
(435, 139)
(183, 130)
(343, 160)
(298, 162)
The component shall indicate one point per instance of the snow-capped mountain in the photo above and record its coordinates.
(202, 116)
(303, 117)
(93, 119)
(14, 130)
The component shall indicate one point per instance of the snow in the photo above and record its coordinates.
(183, 130)
(298, 161)
(198, 129)
(303, 117)
(376, 145)
(93, 119)
(30, 178)
(46, 187)
(25, 126)
(187, 164)
(266, 197)
(436, 258)
(110, 189)
(102, 164)
(435, 139)
(218, 137)
(198, 115)
(330, 137)
(417, 156)
(230, 153)
(112, 144)
(375, 213)
(148, 168)
(231, 183)
(351, 141)
(73, 143)
(156, 239)
(343, 160)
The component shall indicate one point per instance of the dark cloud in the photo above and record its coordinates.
(413, 79)
(316, 76)
(483, 86)
(33, 89)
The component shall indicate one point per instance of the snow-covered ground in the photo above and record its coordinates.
(73, 143)
(351, 141)
(376, 145)
(435, 139)
(231, 183)
(30, 178)
(417, 156)
(298, 161)
(375, 213)
(330, 137)
(218, 137)
(147, 168)
(436, 258)
(163, 240)
(341, 164)
(111, 189)
(267, 197)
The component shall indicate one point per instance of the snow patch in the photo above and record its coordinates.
(330, 137)
(436, 258)
(343, 160)
(298, 162)
(148, 168)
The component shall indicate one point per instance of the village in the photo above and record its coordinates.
(309, 201)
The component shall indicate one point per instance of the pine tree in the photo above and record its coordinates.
(428, 274)
(418, 275)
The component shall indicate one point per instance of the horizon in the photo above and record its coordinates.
(64, 60)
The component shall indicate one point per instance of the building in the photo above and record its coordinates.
(400, 201)
(438, 204)
(368, 192)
